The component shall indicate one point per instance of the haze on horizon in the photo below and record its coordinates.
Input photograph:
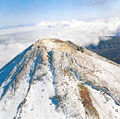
(14, 12)
(22, 22)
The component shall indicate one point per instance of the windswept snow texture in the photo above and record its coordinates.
(81, 32)
(54, 79)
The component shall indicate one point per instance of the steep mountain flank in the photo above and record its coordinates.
(54, 79)
(108, 48)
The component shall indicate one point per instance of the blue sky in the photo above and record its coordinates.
(14, 12)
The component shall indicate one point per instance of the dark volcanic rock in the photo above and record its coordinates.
(54, 79)
(108, 48)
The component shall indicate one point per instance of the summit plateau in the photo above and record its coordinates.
(54, 79)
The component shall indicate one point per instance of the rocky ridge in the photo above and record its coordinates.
(54, 79)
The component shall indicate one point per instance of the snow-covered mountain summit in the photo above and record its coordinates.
(54, 79)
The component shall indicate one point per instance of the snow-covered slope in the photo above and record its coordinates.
(53, 79)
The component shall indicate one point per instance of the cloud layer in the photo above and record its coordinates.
(14, 40)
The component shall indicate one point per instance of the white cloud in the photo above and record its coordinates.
(13, 41)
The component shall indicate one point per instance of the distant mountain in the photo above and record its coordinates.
(16, 26)
(53, 79)
(108, 48)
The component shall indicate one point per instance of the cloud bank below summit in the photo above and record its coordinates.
(14, 40)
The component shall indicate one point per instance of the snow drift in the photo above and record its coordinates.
(54, 79)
